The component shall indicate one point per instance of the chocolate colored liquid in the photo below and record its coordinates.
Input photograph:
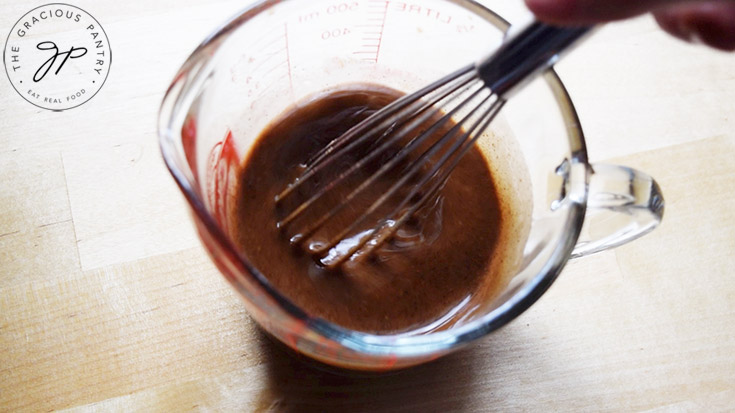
(443, 260)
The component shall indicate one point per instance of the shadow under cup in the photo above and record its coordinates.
(276, 53)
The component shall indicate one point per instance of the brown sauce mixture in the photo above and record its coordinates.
(436, 263)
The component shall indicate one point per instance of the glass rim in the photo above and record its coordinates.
(398, 344)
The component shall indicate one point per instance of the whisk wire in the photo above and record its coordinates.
(527, 52)
(391, 109)
(374, 125)
(387, 227)
(403, 152)
(414, 168)
(434, 189)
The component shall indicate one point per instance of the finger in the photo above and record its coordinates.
(592, 11)
(711, 23)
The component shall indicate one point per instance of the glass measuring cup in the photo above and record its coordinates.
(275, 53)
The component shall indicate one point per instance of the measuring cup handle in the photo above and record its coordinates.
(622, 204)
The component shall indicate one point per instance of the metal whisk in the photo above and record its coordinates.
(474, 95)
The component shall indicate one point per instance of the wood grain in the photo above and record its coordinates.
(108, 303)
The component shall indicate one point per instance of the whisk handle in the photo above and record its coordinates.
(525, 53)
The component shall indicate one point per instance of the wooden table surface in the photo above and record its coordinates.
(108, 301)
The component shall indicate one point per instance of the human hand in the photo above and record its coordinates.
(711, 22)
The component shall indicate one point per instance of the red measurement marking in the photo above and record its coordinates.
(288, 57)
(342, 7)
(189, 140)
(308, 17)
(422, 11)
(270, 85)
(382, 27)
(373, 36)
(338, 32)
(331, 9)
(265, 59)
(465, 28)
(223, 162)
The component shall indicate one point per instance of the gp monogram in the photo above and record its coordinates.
(57, 56)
